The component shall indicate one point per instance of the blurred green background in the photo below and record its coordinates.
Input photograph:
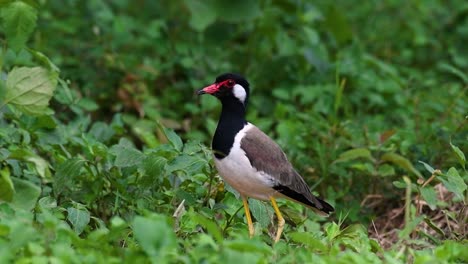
(359, 94)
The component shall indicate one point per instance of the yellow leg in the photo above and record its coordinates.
(280, 219)
(247, 215)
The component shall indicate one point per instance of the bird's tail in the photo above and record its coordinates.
(325, 210)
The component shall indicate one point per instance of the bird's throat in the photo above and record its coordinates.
(231, 121)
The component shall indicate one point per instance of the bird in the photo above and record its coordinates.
(249, 160)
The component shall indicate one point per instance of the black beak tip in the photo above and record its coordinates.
(200, 92)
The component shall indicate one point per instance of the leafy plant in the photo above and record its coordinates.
(103, 146)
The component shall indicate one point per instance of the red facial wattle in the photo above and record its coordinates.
(211, 89)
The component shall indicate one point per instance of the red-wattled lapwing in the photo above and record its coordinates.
(249, 160)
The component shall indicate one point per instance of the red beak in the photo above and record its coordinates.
(209, 89)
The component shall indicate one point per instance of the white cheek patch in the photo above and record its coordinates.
(239, 92)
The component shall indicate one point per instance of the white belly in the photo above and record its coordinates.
(237, 171)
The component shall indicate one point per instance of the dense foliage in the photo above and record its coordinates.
(104, 153)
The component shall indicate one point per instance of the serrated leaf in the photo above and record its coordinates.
(354, 154)
(154, 165)
(30, 89)
(402, 162)
(460, 155)
(126, 154)
(154, 235)
(19, 21)
(66, 172)
(430, 196)
(7, 189)
(79, 218)
(26, 194)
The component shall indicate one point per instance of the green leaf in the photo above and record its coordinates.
(430, 196)
(428, 167)
(454, 183)
(354, 154)
(19, 21)
(172, 137)
(209, 225)
(30, 89)
(154, 166)
(409, 227)
(401, 161)
(202, 14)
(237, 11)
(66, 172)
(7, 188)
(460, 155)
(26, 194)
(126, 154)
(41, 165)
(79, 218)
(248, 246)
(309, 240)
(155, 236)
(260, 212)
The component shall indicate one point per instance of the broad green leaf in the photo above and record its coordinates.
(66, 172)
(430, 196)
(41, 165)
(19, 21)
(126, 154)
(79, 218)
(186, 163)
(209, 225)
(308, 239)
(354, 154)
(154, 166)
(259, 212)
(454, 183)
(332, 230)
(155, 236)
(30, 89)
(172, 137)
(202, 14)
(401, 161)
(460, 155)
(7, 189)
(26, 194)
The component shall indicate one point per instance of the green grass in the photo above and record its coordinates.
(104, 148)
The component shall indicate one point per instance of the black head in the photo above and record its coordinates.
(228, 86)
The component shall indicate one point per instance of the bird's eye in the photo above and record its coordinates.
(230, 83)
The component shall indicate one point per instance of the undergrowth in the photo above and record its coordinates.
(104, 153)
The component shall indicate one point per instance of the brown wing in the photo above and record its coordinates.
(265, 155)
